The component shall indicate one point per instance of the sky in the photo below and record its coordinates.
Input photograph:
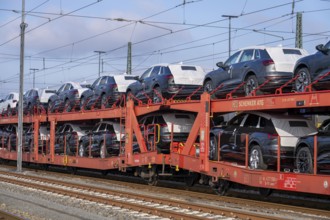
(62, 36)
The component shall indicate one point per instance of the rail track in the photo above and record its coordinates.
(152, 205)
(270, 208)
(8, 216)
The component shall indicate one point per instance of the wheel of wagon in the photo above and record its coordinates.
(103, 150)
(222, 187)
(191, 179)
(304, 161)
(81, 151)
(303, 80)
(67, 106)
(251, 83)
(104, 101)
(265, 192)
(256, 159)
(156, 95)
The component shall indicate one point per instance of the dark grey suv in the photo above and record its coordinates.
(166, 80)
(311, 67)
(100, 93)
(253, 66)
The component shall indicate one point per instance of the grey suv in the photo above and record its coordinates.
(166, 80)
(311, 67)
(253, 66)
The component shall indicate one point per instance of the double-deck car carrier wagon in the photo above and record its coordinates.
(138, 152)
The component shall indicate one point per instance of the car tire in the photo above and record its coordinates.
(83, 103)
(156, 95)
(213, 154)
(208, 86)
(304, 160)
(256, 160)
(103, 150)
(129, 95)
(81, 152)
(9, 113)
(251, 83)
(67, 106)
(104, 101)
(303, 80)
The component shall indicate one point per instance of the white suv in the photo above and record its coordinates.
(9, 102)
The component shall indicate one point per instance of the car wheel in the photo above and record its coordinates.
(256, 160)
(50, 107)
(67, 105)
(251, 83)
(82, 102)
(213, 155)
(303, 80)
(156, 95)
(9, 111)
(103, 150)
(104, 101)
(208, 86)
(304, 161)
(81, 150)
(129, 95)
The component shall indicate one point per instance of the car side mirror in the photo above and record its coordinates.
(321, 48)
(221, 65)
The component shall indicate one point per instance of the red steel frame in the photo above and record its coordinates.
(185, 158)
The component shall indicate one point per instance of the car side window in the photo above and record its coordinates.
(103, 80)
(251, 121)
(237, 120)
(95, 128)
(149, 120)
(264, 54)
(233, 59)
(265, 123)
(155, 71)
(246, 55)
(165, 70)
(110, 128)
(11, 96)
(67, 87)
(96, 82)
(146, 74)
(159, 120)
(61, 88)
(103, 127)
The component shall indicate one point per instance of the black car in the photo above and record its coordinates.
(304, 153)
(68, 136)
(157, 129)
(165, 81)
(253, 66)
(9, 137)
(262, 131)
(35, 98)
(28, 139)
(67, 97)
(99, 94)
(310, 68)
(102, 141)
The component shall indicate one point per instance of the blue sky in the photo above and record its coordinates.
(62, 36)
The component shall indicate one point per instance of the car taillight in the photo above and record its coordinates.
(272, 136)
(114, 87)
(268, 62)
(170, 79)
(75, 92)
